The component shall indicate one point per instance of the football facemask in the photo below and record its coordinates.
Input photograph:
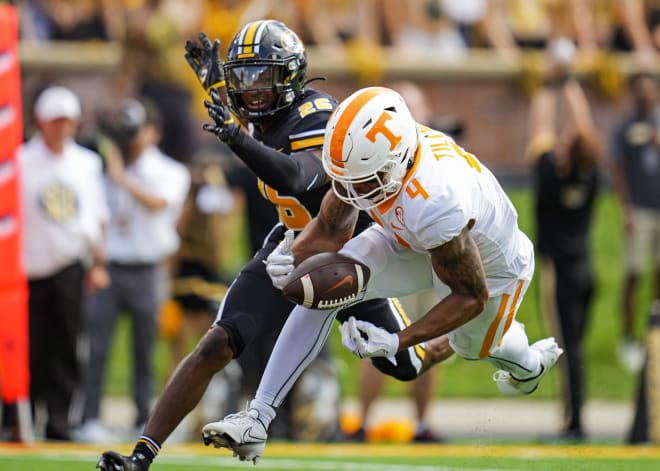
(265, 56)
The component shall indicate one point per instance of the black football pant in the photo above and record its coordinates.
(55, 307)
(574, 291)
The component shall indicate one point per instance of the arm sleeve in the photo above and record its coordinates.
(288, 174)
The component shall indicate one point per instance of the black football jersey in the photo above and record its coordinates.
(301, 127)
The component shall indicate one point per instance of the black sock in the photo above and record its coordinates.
(146, 447)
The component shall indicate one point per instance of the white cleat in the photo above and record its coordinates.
(511, 386)
(243, 433)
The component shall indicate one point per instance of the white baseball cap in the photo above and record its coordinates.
(57, 102)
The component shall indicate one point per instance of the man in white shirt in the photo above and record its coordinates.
(64, 209)
(443, 222)
(146, 190)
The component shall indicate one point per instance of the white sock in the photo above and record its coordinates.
(300, 341)
(514, 354)
(266, 412)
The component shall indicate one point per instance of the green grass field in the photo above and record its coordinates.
(457, 380)
(353, 457)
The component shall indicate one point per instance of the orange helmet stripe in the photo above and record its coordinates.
(341, 127)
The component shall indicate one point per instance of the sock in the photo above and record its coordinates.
(148, 448)
(266, 411)
(514, 354)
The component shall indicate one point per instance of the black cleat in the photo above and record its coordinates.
(113, 461)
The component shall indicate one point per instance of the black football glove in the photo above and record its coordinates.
(113, 461)
(225, 127)
(204, 60)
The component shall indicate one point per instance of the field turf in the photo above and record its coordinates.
(352, 457)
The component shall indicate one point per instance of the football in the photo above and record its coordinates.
(326, 281)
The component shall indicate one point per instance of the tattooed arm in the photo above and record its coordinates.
(458, 264)
(328, 231)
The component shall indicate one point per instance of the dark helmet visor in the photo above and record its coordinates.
(252, 77)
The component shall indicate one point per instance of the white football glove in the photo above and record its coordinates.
(378, 342)
(279, 263)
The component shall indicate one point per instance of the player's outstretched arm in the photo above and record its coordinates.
(278, 170)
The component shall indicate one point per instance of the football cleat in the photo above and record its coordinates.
(511, 386)
(243, 433)
(113, 461)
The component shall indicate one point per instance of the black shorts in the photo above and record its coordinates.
(254, 309)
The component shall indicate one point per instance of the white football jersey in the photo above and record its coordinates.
(444, 190)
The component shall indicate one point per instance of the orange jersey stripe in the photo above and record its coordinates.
(490, 335)
(512, 310)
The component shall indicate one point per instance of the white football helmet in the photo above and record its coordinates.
(369, 142)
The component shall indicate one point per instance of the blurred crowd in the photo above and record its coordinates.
(359, 28)
(171, 199)
(445, 26)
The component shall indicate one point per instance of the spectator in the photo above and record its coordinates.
(566, 173)
(64, 209)
(332, 25)
(152, 68)
(349, 29)
(636, 173)
(425, 25)
(516, 26)
(641, 25)
(222, 18)
(468, 15)
(72, 20)
(146, 193)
